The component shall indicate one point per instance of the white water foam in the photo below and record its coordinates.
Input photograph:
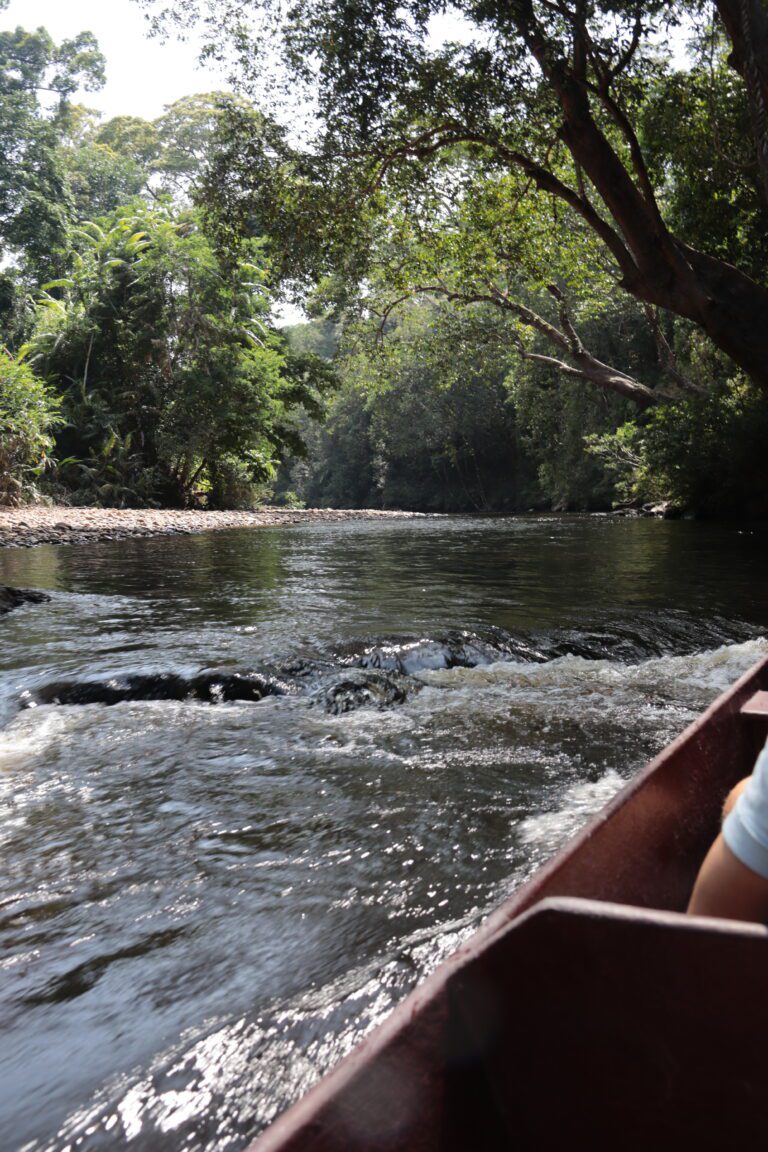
(31, 734)
(712, 670)
(572, 685)
(547, 832)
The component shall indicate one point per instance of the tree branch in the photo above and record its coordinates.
(446, 136)
(667, 358)
(585, 365)
(620, 119)
(572, 335)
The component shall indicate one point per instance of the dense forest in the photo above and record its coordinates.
(530, 241)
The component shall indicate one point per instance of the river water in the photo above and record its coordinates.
(203, 906)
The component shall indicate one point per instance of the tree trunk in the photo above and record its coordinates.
(746, 22)
(729, 306)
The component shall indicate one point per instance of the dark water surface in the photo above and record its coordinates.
(203, 907)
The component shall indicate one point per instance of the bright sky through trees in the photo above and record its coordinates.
(143, 74)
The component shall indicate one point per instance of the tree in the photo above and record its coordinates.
(99, 180)
(695, 127)
(553, 91)
(37, 80)
(486, 240)
(171, 378)
(105, 165)
(185, 133)
(131, 137)
(746, 24)
(422, 420)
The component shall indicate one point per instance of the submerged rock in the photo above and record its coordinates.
(302, 668)
(11, 598)
(208, 687)
(373, 673)
(458, 648)
(665, 510)
(365, 690)
(357, 689)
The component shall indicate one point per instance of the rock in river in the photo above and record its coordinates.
(11, 598)
(208, 687)
(365, 690)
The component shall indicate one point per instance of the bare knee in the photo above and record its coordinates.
(733, 796)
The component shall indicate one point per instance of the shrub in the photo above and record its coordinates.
(28, 413)
(706, 454)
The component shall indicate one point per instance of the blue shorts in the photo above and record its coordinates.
(745, 830)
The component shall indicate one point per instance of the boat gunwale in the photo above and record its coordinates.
(529, 899)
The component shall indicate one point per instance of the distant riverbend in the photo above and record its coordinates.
(255, 785)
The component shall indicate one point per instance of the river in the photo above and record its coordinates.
(203, 906)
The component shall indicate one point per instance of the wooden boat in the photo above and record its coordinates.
(588, 1011)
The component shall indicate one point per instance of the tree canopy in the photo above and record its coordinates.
(138, 362)
(536, 235)
(37, 79)
(554, 92)
(169, 372)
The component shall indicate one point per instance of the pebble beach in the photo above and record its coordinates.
(31, 525)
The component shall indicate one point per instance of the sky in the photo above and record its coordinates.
(143, 74)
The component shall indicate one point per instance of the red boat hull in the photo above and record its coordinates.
(600, 1018)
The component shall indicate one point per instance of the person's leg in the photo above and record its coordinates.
(725, 887)
(733, 796)
(733, 880)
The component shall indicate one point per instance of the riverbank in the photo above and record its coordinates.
(39, 524)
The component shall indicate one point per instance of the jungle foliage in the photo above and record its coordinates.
(140, 366)
(533, 239)
(29, 412)
(170, 378)
(558, 162)
(422, 421)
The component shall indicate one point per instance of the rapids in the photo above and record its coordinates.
(208, 896)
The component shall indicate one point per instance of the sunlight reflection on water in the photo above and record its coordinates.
(203, 907)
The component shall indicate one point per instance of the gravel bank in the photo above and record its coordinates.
(26, 527)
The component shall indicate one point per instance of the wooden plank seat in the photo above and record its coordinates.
(756, 705)
(582, 1024)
